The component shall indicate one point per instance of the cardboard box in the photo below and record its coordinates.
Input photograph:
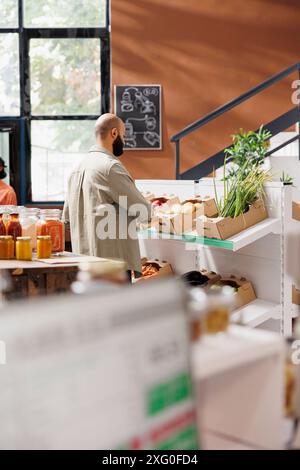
(213, 277)
(245, 291)
(223, 228)
(296, 211)
(296, 296)
(176, 223)
(208, 206)
(165, 269)
(167, 206)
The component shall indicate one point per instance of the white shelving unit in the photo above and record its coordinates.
(259, 253)
(236, 373)
(239, 346)
(235, 243)
(256, 312)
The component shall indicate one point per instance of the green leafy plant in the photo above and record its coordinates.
(286, 178)
(248, 150)
(241, 191)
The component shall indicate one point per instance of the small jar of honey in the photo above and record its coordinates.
(23, 249)
(7, 247)
(44, 246)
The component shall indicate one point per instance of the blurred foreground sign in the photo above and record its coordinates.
(109, 372)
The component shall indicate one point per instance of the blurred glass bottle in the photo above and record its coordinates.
(221, 302)
(103, 276)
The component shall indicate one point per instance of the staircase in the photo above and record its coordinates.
(284, 146)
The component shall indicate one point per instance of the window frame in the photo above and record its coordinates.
(25, 118)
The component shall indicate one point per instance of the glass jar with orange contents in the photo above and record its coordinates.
(7, 247)
(50, 224)
(13, 226)
(2, 226)
(23, 249)
(44, 247)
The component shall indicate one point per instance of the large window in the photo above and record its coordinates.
(9, 75)
(9, 14)
(55, 80)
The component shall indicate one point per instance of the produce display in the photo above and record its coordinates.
(173, 216)
(202, 278)
(154, 268)
(242, 204)
(241, 288)
(225, 227)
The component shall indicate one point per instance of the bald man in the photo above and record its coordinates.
(100, 190)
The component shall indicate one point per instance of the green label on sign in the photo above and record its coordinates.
(164, 395)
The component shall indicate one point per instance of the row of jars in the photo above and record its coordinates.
(21, 248)
(31, 222)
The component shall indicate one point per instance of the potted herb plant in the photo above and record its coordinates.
(286, 179)
(248, 151)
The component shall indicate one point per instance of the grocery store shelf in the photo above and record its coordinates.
(244, 238)
(255, 313)
(239, 346)
(254, 233)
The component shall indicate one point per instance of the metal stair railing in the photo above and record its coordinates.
(279, 124)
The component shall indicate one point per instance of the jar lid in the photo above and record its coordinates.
(197, 302)
(53, 212)
(12, 210)
(43, 237)
(23, 239)
(6, 237)
(99, 268)
(29, 210)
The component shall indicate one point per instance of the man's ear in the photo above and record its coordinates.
(114, 132)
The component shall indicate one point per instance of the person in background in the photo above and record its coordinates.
(101, 179)
(7, 193)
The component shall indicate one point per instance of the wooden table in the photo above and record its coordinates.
(35, 278)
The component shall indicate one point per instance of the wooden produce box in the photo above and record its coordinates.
(245, 291)
(204, 206)
(164, 268)
(223, 228)
(158, 210)
(175, 223)
(213, 277)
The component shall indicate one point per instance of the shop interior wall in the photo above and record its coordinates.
(203, 53)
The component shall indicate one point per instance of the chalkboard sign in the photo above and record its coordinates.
(139, 106)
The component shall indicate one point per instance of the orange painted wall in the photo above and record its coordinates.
(203, 53)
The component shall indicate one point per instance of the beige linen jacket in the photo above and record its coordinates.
(101, 179)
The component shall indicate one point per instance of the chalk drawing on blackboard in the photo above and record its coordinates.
(141, 102)
(126, 102)
(151, 123)
(140, 108)
(130, 136)
(152, 138)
